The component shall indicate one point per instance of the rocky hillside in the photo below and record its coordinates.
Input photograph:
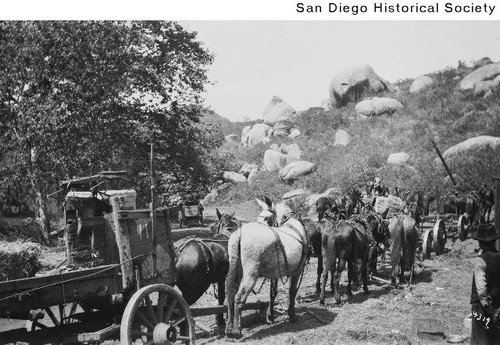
(369, 127)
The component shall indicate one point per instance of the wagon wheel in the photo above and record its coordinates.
(64, 316)
(157, 314)
(462, 228)
(439, 237)
(427, 244)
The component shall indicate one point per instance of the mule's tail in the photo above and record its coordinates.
(234, 276)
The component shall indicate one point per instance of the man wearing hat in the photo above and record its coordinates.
(485, 296)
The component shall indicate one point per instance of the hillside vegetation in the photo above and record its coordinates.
(440, 112)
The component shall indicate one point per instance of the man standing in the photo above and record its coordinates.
(485, 296)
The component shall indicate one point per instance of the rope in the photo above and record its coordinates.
(73, 279)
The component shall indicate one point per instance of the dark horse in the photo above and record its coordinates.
(472, 208)
(201, 262)
(422, 200)
(487, 200)
(343, 242)
(452, 203)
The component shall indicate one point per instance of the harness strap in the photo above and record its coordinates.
(279, 246)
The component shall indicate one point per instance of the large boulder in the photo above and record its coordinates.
(484, 86)
(292, 151)
(328, 104)
(274, 160)
(342, 138)
(294, 133)
(296, 169)
(351, 84)
(233, 177)
(278, 110)
(255, 135)
(280, 129)
(253, 174)
(472, 144)
(399, 158)
(487, 72)
(377, 106)
(420, 83)
(482, 62)
(247, 168)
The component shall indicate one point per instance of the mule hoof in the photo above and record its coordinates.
(293, 318)
(367, 292)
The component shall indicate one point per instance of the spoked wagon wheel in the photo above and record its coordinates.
(63, 316)
(157, 314)
(462, 227)
(439, 237)
(427, 244)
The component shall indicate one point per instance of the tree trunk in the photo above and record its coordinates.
(40, 191)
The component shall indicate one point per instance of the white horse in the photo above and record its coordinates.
(259, 250)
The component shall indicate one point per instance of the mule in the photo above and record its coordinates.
(354, 202)
(258, 250)
(487, 200)
(472, 208)
(452, 203)
(344, 242)
(403, 242)
(201, 262)
(380, 233)
(422, 200)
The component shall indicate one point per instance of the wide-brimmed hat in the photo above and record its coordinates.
(485, 233)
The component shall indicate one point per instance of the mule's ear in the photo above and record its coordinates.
(218, 213)
(268, 202)
(262, 204)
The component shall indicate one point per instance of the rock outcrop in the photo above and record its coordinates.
(483, 87)
(420, 84)
(233, 177)
(377, 106)
(399, 158)
(342, 138)
(351, 84)
(274, 160)
(487, 72)
(277, 111)
(255, 135)
(295, 170)
(472, 144)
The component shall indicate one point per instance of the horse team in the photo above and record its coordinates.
(348, 233)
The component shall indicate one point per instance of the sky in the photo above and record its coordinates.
(296, 60)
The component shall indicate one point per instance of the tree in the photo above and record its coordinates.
(80, 97)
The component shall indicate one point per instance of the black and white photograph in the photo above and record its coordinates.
(250, 181)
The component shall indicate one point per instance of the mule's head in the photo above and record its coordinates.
(273, 214)
(226, 224)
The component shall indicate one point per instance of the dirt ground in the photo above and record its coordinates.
(440, 290)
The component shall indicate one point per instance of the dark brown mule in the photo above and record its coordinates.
(403, 242)
(201, 262)
(343, 242)
(454, 204)
(380, 233)
(422, 200)
(472, 208)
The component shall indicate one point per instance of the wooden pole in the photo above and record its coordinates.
(444, 163)
(152, 209)
(497, 209)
